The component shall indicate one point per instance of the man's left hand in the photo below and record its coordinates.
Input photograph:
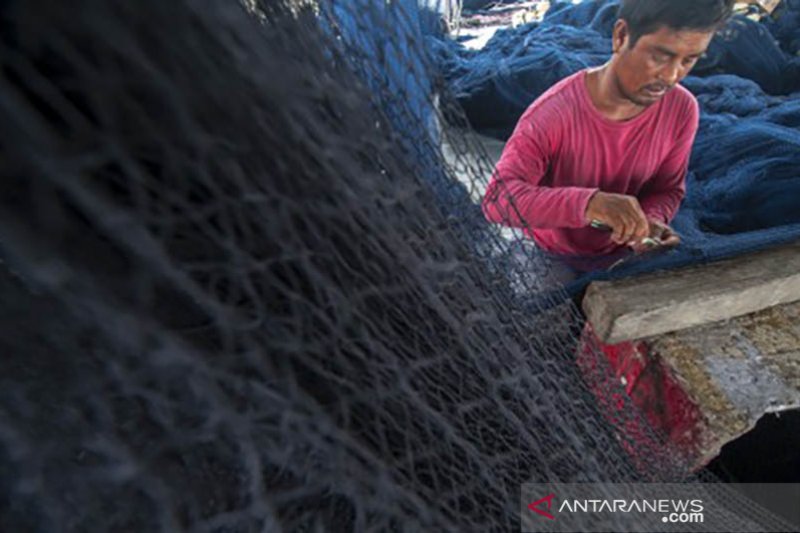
(662, 234)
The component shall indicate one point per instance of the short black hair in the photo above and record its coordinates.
(648, 16)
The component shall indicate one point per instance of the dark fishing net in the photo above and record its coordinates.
(246, 287)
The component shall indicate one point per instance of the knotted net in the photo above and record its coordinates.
(245, 286)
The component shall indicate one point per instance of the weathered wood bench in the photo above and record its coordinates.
(729, 332)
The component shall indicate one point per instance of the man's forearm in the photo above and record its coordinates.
(516, 203)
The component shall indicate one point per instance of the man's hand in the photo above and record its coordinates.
(661, 236)
(622, 214)
(664, 234)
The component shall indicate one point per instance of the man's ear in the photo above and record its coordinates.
(620, 36)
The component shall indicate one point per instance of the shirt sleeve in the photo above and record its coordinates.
(662, 195)
(517, 195)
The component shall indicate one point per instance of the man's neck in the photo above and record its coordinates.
(606, 96)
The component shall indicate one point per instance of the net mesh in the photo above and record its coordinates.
(245, 285)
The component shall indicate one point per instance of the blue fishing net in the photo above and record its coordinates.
(598, 15)
(785, 25)
(747, 49)
(496, 84)
(245, 286)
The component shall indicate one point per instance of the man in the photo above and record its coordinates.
(598, 162)
(611, 145)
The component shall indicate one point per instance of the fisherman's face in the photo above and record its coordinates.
(646, 71)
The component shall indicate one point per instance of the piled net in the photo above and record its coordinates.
(244, 286)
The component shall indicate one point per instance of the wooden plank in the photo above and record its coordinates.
(653, 304)
(735, 372)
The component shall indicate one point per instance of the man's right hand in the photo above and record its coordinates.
(621, 213)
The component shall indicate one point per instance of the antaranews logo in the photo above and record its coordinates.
(549, 501)
(673, 511)
(649, 507)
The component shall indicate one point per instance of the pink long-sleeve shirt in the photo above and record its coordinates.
(563, 150)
